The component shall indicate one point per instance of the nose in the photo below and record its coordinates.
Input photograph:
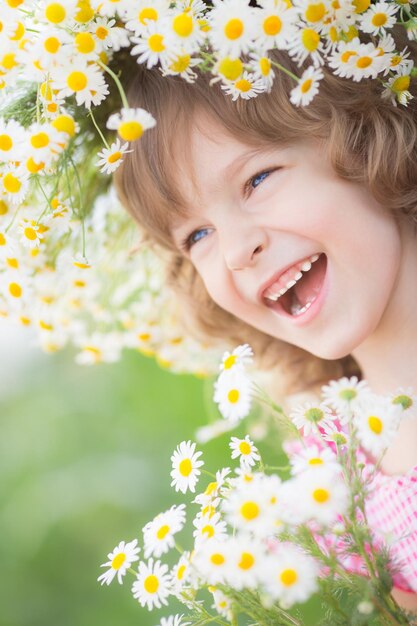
(243, 247)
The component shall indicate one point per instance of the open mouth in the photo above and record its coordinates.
(296, 290)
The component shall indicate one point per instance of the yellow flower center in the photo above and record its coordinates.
(310, 39)
(288, 577)
(233, 396)
(306, 85)
(151, 584)
(113, 158)
(85, 13)
(64, 124)
(14, 3)
(346, 55)
(52, 45)
(6, 143)
(130, 131)
(361, 5)
(315, 461)
(243, 85)
(217, 558)
(79, 283)
(229, 362)
(315, 12)
(185, 467)
(234, 29)
(180, 572)
(101, 33)
(9, 61)
(2, 240)
(15, 290)
(162, 532)
(45, 326)
(245, 447)
(84, 42)
(272, 25)
(156, 43)
(375, 424)
(231, 69)
(265, 66)
(77, 81)
(118, 560)
(181, 63)
(46, 90)
(40, 140)
(3, 208)
(363, 62)
(13, 263)
(321, 495)
(182, 25)
(246, 561)
(11, 183)
(401, 83)
(379, 19)
(55, 13)
(208, 530)
(147, 14)
(30, 233)
(249, 510)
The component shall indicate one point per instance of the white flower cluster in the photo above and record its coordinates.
(245, 531)
(60, 54)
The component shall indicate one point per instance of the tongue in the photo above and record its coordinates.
(308, 288)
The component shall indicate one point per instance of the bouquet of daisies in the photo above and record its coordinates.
(266, 539)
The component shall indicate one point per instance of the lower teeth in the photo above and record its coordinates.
(297, 309)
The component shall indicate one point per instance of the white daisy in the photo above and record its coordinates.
(222, 603)
(306, 43)
(312, 457)
(261, 68)
(334, 433)
(111, 158)
(119, 561)
(247, 508)
(12, 138)
(245, 87)
(14, 183)
(208, 526)
(109, 34)
(31, 233)
(213, 489)
(211, 561)
(185, 466)
(151, 46)
(83, 80)
(311, 417)
(181, 572)
(55, 12)
(344, 394)
(407, 400)
(245, 450)
(307, 87)
(153, 584)
(143, 12)
(184, 31)
(232, 27)
(247, 559)
(158, 535)
(181, 64)
(377, 421)
(379, 17)
(110, 8)
(397, 87)
(233, 394)
(274, 25)
(290, 575)
(131, 123)
(240, 357)
(44, 142)
(357, 60)
(318, 494)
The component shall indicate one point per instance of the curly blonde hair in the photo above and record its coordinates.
(369, 141)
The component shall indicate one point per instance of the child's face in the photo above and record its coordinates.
(257, 214)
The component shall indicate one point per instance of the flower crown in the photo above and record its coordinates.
(70, 262)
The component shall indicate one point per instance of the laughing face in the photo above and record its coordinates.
(284, 244)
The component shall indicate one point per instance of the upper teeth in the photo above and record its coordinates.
(304, 267)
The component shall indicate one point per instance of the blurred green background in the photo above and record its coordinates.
(84, 463)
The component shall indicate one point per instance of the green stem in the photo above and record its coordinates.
(284, 69)
(98, 129)
(118, 83)
(132, 571)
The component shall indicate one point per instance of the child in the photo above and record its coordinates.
(290, 228)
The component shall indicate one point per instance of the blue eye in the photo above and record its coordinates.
(195, 236)
(256, 180)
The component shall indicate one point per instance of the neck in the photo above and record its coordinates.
(388, 357)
